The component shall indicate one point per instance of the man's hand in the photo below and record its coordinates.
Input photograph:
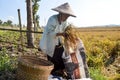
(60, 34)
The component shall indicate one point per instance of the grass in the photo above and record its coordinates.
(100, 44)
(6, 62)
(96, 74)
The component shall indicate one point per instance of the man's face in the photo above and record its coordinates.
(64, 17)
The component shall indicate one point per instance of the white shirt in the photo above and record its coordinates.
(49, 38)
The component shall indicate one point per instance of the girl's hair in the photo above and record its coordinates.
(71, 37)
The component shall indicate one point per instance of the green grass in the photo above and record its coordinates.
(6, 62)
(96, 74)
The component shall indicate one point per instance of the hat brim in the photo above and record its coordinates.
(60, 11)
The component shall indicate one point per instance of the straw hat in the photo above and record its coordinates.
(65, 8)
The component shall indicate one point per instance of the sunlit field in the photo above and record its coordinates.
(102, 50)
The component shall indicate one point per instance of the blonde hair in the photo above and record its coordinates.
(71, 37)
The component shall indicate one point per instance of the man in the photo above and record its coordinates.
(51, 42)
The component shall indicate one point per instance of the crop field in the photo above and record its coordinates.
(102, 49)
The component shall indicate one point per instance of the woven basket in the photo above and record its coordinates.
(33, 68)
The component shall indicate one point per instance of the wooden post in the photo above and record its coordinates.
(21, 37)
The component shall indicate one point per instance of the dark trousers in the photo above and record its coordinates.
(57, 61)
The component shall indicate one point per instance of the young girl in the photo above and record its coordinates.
(74, 56)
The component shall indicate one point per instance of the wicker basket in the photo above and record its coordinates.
(33, 68)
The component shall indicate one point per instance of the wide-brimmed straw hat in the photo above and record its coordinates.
(65, 8)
